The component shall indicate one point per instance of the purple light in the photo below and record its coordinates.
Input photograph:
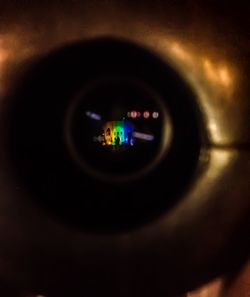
(143, 136)
(93, 116)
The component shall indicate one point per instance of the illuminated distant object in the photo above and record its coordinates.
(93, 116)
(146, 114)
(143, 136)
(155, 115)
(133, 114)
(118, 133)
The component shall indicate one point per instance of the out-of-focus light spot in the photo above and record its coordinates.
(138, 114)
(155, 115)
(225, 76)
(3, 55)
(128, 114)
(212, 75)
(146, 114)
(133, 114)
(217, 74)
(93, 116)
(212, 289)
(214, 129)
(117, 133)
(219, 161)
(180, 52)
(144, 136)
(4, 52)
(209, 71)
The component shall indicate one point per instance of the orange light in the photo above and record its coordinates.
(217, 74)
(146, 114)
(225, 76)
(180, 52)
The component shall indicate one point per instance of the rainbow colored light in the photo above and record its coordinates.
(117, 133)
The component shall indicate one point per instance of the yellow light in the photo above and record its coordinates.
(180, 52)
(217, 74)
(225, 76)
(209, 70)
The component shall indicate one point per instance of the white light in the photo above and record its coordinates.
(143, 136)
(155, 115)
(93, 116)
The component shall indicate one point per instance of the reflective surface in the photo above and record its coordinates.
(204, 235)
(51, 140)
(108, 142)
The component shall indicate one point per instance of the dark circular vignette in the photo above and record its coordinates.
(37, 147)
(112, 98)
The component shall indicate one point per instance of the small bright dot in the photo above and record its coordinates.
(146, 114)
(155, 115)
(133, 114)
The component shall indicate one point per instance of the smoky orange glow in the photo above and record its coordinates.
(217, 74)
(212, 72)
(212, 289)
(180, 53)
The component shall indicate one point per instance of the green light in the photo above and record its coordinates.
(117, 133)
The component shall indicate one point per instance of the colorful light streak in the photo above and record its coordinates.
(117, 133)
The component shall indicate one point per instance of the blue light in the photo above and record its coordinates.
(93, 116)
(143, 136)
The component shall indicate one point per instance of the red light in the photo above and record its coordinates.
(133, 114)
(146, 114)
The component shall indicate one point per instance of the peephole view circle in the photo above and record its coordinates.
(117, 129)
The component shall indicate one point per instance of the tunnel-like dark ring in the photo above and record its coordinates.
(41, 157)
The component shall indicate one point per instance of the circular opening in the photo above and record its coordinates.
(117, 129)
(66, 109)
